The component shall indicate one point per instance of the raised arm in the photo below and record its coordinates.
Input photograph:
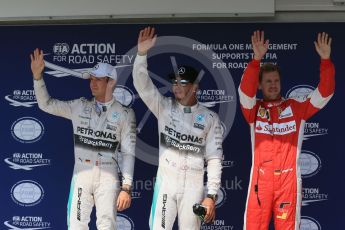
(250, 78)
(141, 80)
(45, 102)
(325, 90)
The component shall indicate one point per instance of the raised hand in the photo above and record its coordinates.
(323, 45)
(146, 40)
(37, 64)
(260, 46)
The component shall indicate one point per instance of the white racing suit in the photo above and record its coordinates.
(187, 137)
(97, 138)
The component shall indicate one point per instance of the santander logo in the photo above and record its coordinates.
(275, 128)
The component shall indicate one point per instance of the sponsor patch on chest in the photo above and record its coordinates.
(199, 121)
(263, 113)
(275, 128)
(199, 126)
(111, 127)
(287, 112)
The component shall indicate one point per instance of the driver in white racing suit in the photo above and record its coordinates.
(189, 135)
(101, 128)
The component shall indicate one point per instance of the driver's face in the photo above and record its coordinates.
(98, 86)
(182, 88)
(270, 85)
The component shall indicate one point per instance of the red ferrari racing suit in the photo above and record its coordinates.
(277, 130)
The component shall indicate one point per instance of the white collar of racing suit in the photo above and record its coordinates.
(104, 106)
(187, 109)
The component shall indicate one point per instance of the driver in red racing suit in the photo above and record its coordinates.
(277, 127)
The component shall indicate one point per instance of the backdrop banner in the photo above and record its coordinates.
(37, 155)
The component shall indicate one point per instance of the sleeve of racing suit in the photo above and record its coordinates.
(214, 155)
(144, 85)
(128, 138)
(324, 91)
(248, 88)
(214, 174)
(50, 105)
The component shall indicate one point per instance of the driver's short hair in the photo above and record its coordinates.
(268, 67)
